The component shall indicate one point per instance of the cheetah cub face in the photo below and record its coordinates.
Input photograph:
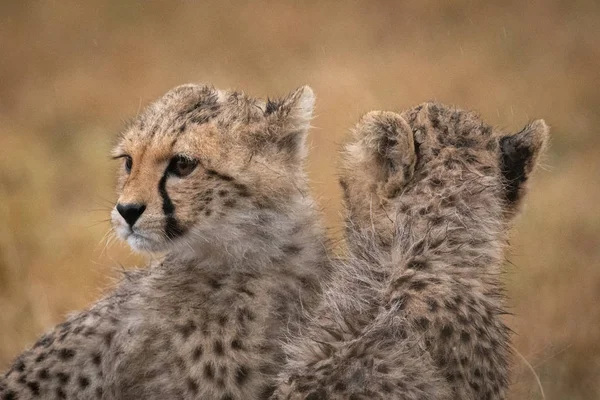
(199, 163)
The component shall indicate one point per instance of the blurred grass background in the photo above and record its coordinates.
(71, 72)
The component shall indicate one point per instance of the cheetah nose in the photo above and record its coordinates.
(131, 212)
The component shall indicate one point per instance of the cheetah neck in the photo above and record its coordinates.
(459, 226)
(261, 239)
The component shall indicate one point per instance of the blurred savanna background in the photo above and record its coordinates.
(71, 72)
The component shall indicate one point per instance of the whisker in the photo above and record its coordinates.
(103, 201)
(530, 367)
(98, 209)
(102, 221)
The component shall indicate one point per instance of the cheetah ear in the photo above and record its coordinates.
(518, 157)
(289, 120)
(389, 144)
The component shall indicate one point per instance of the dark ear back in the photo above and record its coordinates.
(518, 157)
(289, 120)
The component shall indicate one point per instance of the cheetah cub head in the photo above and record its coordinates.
(201, 165)
(435, 159)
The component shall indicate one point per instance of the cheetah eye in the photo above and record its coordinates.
(128, 163)
(182, 166)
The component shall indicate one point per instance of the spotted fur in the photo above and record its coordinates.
(244, 258)
(415, 311)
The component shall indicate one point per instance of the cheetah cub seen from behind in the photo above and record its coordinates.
(213, 180)
(415, 311)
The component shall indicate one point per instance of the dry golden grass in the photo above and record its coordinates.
(72, 71)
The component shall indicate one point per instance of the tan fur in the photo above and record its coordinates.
(414, 312)
(244, 256)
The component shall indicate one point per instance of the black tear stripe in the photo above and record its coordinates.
(172, 227)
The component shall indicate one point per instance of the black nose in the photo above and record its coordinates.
(131, 212)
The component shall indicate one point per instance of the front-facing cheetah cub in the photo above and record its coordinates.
(214, 179)
(415, 311)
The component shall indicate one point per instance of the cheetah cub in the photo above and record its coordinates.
(415, 311)
(214, 181)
